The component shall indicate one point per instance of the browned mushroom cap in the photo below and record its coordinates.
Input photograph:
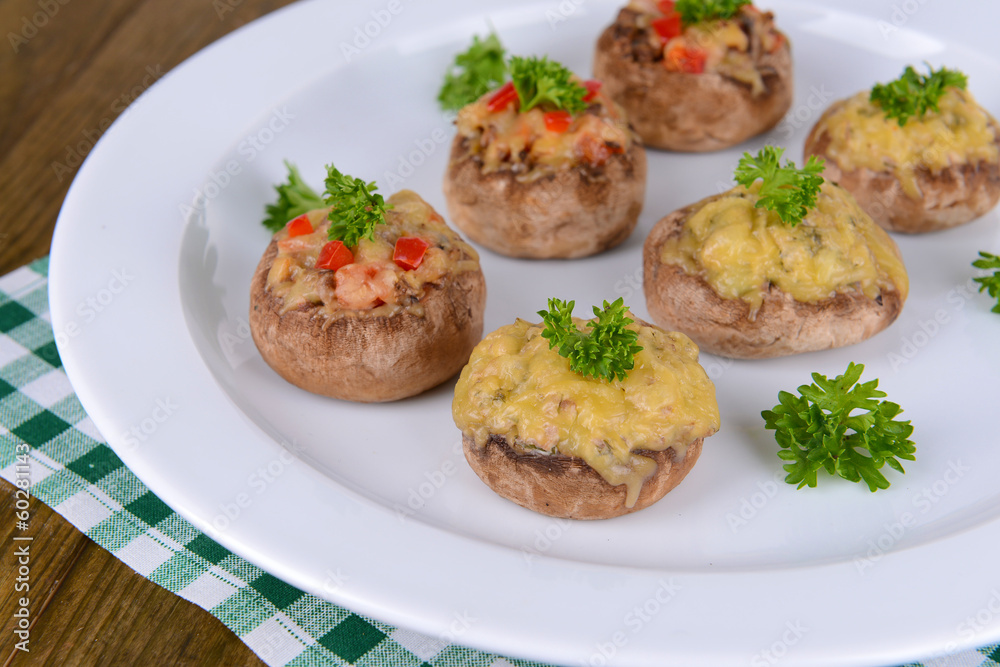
(679, 111)
(952, 196)
(573, 212)
(369, 358)
(565, 486)
(782, 326)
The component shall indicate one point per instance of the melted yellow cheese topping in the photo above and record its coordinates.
(521, 142)
(373, 278)
(516, 387)
(959, 133)
(740, 250)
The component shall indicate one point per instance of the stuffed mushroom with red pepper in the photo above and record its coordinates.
(366, 300)
(696, 76)
(545, 166)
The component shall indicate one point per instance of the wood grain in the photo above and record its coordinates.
(59, 90)
(65, 86)
(87, 608)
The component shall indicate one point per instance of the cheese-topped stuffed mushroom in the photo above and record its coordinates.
(919, 154)
(781, 264)
(545, 166)
(695, 75)
(584, 419)
(362, 299)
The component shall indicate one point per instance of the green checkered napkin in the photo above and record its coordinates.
(76, 474)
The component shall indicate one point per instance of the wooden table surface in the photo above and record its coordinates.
(67, 70)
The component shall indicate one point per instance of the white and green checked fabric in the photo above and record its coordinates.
(74, 472)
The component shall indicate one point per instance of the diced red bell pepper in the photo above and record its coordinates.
(684, 58)
(779, 39)
(558, 121)
(300, 226)
(666, 6)
(592, 86)
(503, 98)
(409, 252)
(334, 255)
(668, 27)
(594, 150)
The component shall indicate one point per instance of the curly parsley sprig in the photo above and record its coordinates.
(606, 351)
(356, 208)
(541, 82)
(294, 199)
(788, 191)
(812, 430)
(696, 11)
(476, 71)
(914, 94)
(990, 284)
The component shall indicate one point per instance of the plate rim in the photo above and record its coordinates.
(554, 575)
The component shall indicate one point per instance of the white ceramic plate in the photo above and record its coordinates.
(373, 507)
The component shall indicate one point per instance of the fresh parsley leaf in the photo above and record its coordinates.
(914, 94)
(294, 199)
(812, 430)
(607, 351)
(475, 72)
(696, 11)
(788, 191)
(356, 209)
(989, 284)
(545, 83)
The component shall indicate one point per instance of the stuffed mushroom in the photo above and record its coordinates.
(376, 318)
(731, 271)
(553, 432)
(919, 154)
(693, 76)
(546, 166)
